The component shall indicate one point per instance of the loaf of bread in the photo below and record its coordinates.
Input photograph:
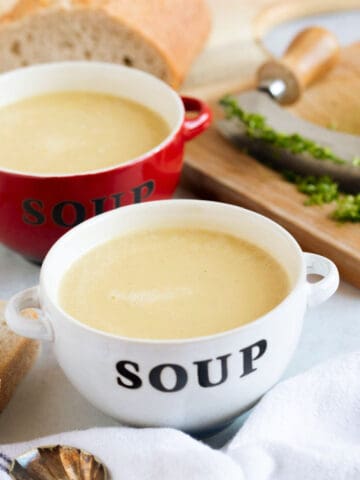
(17, 355)
(161, 37)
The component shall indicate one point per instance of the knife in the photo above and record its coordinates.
(312, 53)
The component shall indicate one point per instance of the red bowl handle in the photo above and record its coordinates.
(194, 126)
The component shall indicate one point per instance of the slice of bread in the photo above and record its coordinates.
(161, 37)
(17, 355)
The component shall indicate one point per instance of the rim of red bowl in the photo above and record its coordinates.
(168, 139)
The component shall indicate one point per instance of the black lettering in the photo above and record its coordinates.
(99, 205)
(117, 199)
(78, 213)
(31, 215)
(203, 371)
(180, 373)
(143, 191)
(249, 357)
(134, 381)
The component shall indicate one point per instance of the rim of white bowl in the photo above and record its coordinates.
(184, 341)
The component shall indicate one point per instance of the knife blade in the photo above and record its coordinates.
(281, 83)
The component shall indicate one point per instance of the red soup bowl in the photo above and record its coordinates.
(36, 209)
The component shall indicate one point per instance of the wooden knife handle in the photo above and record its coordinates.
(311, 54)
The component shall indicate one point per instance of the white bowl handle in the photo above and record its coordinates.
(320, 291)
(37, 328)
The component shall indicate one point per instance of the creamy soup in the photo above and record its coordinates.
(172, 284)
(73, 132)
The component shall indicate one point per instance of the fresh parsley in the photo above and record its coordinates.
(347, 208)
(319, 190)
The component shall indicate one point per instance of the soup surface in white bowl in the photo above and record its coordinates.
(172, 284)
(74, 132)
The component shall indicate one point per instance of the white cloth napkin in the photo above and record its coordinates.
(306, 428)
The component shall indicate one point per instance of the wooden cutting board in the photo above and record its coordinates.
(217, 170)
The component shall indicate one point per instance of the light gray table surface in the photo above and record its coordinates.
(46, 402)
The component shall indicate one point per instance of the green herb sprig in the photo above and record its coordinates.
(347, 209)
(319, 190)
(322, 190)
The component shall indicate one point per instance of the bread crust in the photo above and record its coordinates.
(176, 29)
(17, 357)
